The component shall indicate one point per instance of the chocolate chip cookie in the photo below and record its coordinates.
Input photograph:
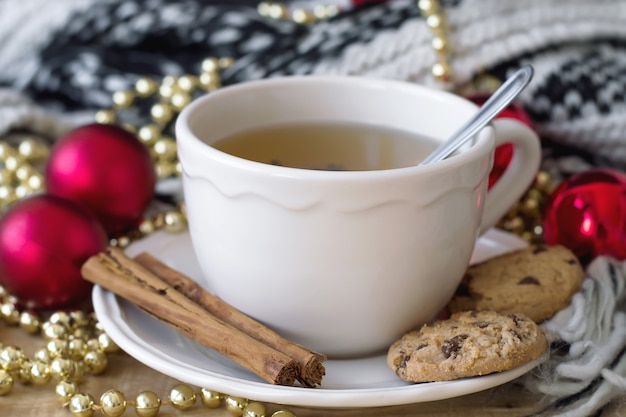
(470, 343)
(537, 281)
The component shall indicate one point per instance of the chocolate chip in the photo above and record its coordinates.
(529, 280)
(462, 290)
(516, 334)
(452, 347)
(481, 324)
(419, 347)
(539, 249)
(571, 261)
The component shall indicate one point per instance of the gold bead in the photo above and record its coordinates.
(254, 409)
(440, 45)
(174, 221)
(14, 162)
(167, 91)
(210, 81)
(7, 196)
(6, 382)
(53, 330)
(93, 344)
(161, 113)
(33, 150)
(40, 373)
(543, 181)
(225, 62)
(10, 313)
(95, 362)
(146, 227)
(277, 11)
(211, 399)
(146, 87)
(165, 149)
(6, 177)
(187, 83)
(107, 344)
(325, 11)
(42, 355)
(61, 369)
(78, 318)
(122, 242)
(76, 348)
(64, 391)
(147, 404)
(123, 99)
(442, 71)
(164, 169)
(29, 322)
(235, 405)
(149, 134)
(60, 317)
(6, 151)
(81, 405)
(283, 413)
(182, 397)
(303, 16)
(428, 7)
(210, 64)
(263, 8)
(437, 23)
(105, 116)
(170, 80)
(11, 358)
(35, 181)
(24, 172)
(57, 348)
(22, 375)
(180, 100)
(113, 403)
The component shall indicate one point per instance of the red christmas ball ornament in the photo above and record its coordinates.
(107, 169)
(587, 213)
(44, 240)
(503, 153)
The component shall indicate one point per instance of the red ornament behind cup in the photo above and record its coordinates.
(44, 241)
(587, 213)
(105, 168)
(503, 154)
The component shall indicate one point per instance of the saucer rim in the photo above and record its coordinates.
(114, 315)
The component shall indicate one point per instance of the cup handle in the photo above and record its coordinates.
(519, 174)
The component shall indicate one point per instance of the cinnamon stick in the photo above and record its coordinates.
(311, 363)
(114, 271)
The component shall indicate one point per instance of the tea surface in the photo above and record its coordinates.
(335, 146)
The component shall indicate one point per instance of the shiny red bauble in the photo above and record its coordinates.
(44, 241)
(504, 153)
(587, 213)
(107, 169)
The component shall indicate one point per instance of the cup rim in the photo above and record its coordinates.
(187, 138)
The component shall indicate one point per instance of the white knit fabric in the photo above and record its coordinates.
(19, 113)
(25, 25)
(594, 327)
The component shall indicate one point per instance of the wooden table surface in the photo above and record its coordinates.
(131, 377)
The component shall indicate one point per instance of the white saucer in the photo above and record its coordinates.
(364, 382)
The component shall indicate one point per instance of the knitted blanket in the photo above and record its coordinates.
(61, 61)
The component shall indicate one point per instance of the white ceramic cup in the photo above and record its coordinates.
(341, 262)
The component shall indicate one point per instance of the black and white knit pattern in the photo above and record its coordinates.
(72, 54)
(61, 60)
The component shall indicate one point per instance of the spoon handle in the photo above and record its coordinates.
(489, 110)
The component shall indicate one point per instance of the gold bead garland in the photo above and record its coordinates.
(304, 16)
(436, 21)
(75, 345)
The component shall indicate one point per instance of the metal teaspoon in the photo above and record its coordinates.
(486, 113)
